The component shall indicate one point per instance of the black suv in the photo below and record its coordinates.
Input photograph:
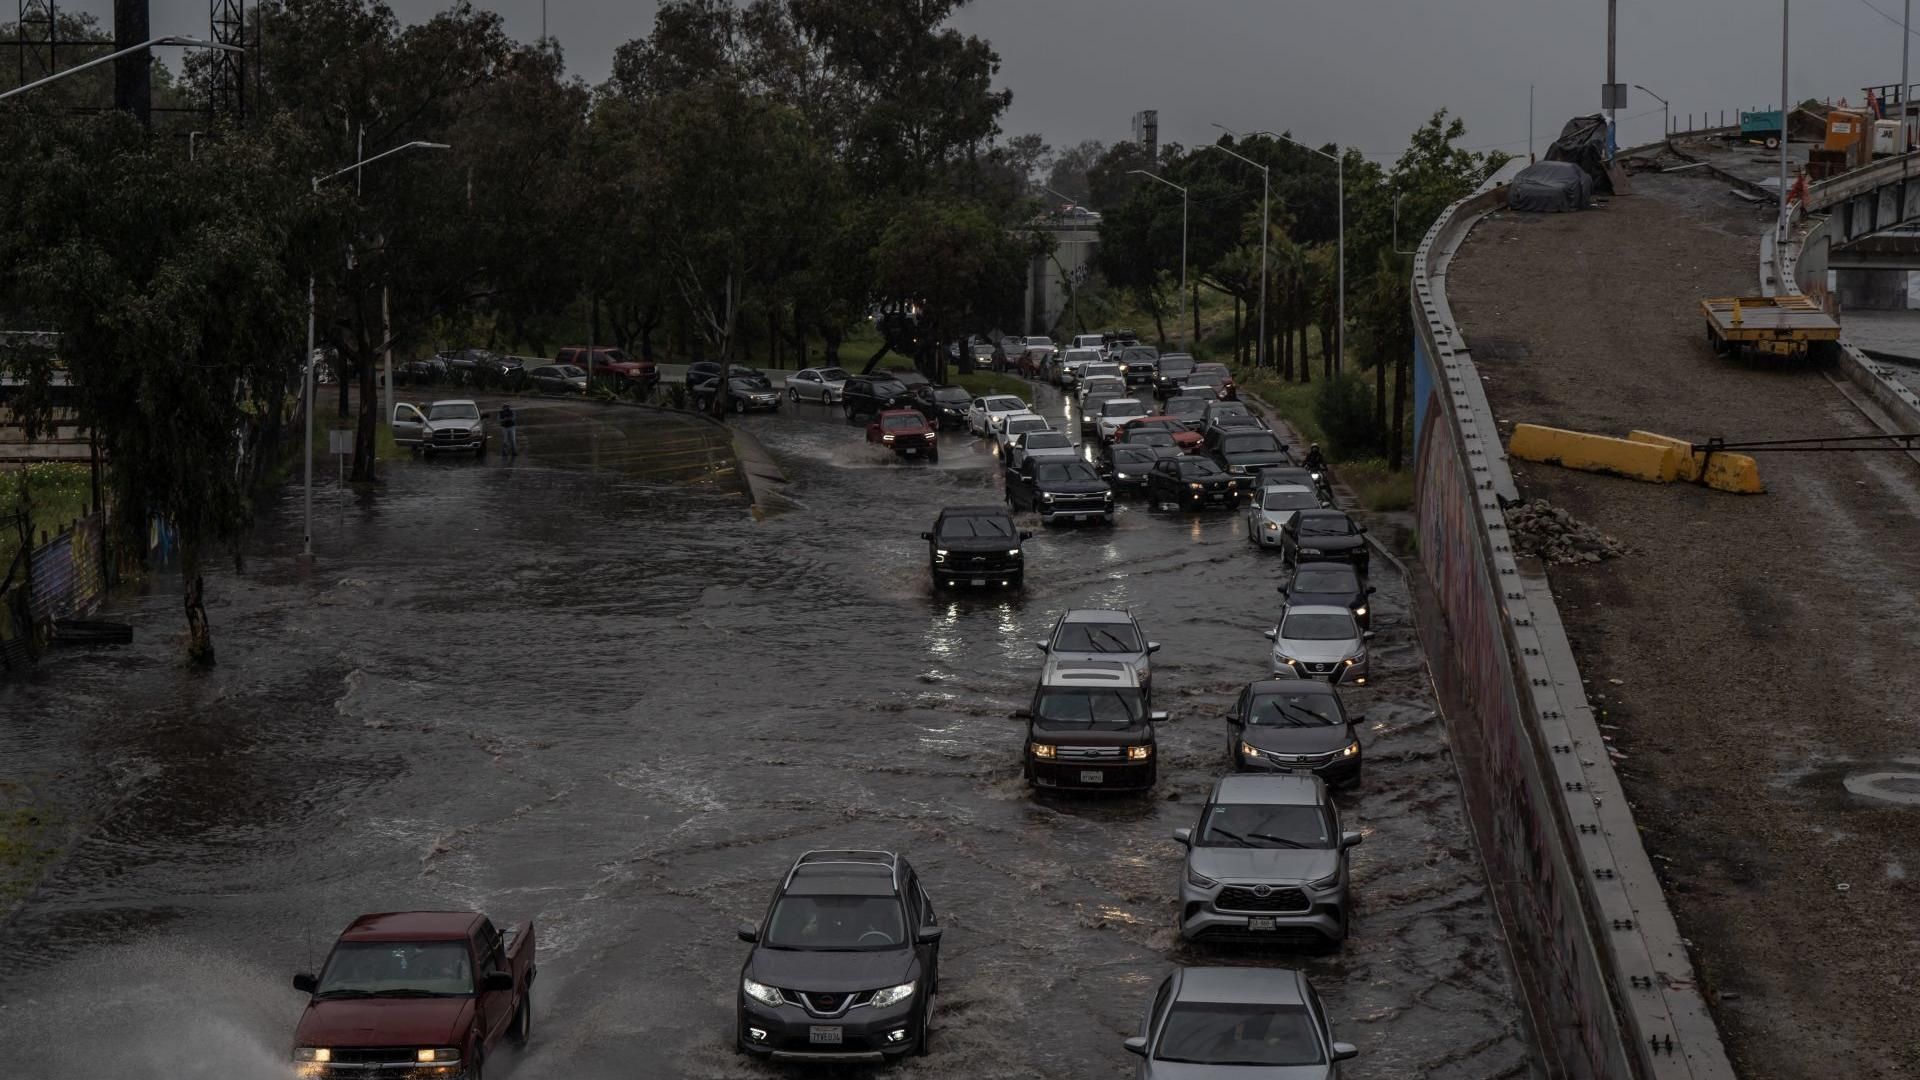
(1060, 491)
(1139, 364)
(976, 545)
(845, 965)
(943, 406)
(1172, 373)
(869, 395)
(1324, 536)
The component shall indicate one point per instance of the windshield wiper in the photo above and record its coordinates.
(1281, 840)
(1235, 837)
(347, 994)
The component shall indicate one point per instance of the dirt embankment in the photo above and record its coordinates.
(1764, 646)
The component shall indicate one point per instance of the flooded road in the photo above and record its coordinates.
(582, 689)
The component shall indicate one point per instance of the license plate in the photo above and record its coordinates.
(912, 450)
(1081, 517)
(1092, 776)
(830, 1036)
(979, 581)
(1255, 923)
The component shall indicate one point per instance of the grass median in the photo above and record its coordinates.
(58, 493)
(1373, 481)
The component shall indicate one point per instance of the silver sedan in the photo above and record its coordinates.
(825, 385)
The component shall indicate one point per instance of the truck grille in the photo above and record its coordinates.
(1277, 899)
(1079, 503)
(1088, 753)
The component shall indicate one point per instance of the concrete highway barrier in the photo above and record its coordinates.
(1652, 462)
(1606, 975)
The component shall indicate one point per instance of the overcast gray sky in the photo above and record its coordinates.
(1360, 72)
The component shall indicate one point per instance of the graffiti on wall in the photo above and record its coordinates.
(1503, 783)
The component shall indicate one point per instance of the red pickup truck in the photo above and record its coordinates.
(416, 995)
(611, 361)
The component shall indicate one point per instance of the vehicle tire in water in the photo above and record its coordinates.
(477, 1071)
(522, 1030)
(793, 394)
(739, 406)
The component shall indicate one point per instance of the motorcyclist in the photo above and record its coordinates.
(1316, 462)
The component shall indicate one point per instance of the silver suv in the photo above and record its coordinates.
(1101, 634)
(1267, 861)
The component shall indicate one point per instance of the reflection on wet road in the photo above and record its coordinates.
(578, 688)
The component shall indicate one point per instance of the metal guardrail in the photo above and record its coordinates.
(1606, 972)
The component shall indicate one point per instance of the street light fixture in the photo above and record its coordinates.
(170, 39)
(1184, 307)
(1266, 186)
(417, 144)
(1666, 121)
(1340, 212)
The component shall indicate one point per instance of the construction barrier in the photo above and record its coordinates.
(1722, 471)
(1593, 453)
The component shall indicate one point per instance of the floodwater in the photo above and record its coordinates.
(588, 688)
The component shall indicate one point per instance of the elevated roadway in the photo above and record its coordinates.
(1748, 664)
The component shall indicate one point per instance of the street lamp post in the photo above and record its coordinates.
(170, 39)
(1786, 7)
(1183, 235)
(1266, 188)
(1666, 121)
(417, 144)
(1340, 214)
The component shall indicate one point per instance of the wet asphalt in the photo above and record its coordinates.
(589, 688)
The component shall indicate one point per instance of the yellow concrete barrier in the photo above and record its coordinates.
(1736, 473)
(1594, 453)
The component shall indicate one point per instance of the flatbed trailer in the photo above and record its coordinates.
(1794, 327)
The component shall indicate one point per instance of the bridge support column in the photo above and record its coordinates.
(1872, 290)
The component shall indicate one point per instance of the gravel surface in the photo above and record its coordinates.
(1754, 653)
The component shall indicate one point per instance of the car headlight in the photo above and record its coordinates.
(886, 438)
(1350, 749)
(312, 1053)
(1237, 468)
(1273, 526)
(1360, 612)
(1310, 551)
(892, 995)
(438, 1053)
(1139, 753)
(762, 993)
(939, 556)
(1325, 883)
(1198, 487)
(1109, 494)
(1249, 750)
(1123, 369)
(1013, 551)
(1124, 476)
(1042, 750)
(1282, 660)
(1199, 880)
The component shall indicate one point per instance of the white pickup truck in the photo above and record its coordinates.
(444, 425)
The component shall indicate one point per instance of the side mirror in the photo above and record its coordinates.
(1362, 528)
(1022, 713)
(1026, 536)
(1136, 1045)
(1153, 646)
(1159, 716)
(1371, 590)
(1271, 635)
(497, 981)
(748, 932)
(1344, 1051)
(928, 935)
(1367, 636)
(1184, 836)
(306, 983)
(1041, 645)
(1351, 839)
(926, 536)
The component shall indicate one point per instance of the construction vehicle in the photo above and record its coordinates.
(1791, 327)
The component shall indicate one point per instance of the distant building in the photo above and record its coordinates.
(1146, 132)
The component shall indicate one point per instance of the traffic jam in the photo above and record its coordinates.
(843, 964)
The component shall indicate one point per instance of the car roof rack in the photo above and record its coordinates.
(846, 857)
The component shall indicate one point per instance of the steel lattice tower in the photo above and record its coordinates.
(227, 75)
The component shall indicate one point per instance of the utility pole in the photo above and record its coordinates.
(1906, 40)
(1786, 8)
(133, 71)
(1613, 12)
(1530, 157)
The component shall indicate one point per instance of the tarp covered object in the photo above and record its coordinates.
(1584, 143)
(1550, 187)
